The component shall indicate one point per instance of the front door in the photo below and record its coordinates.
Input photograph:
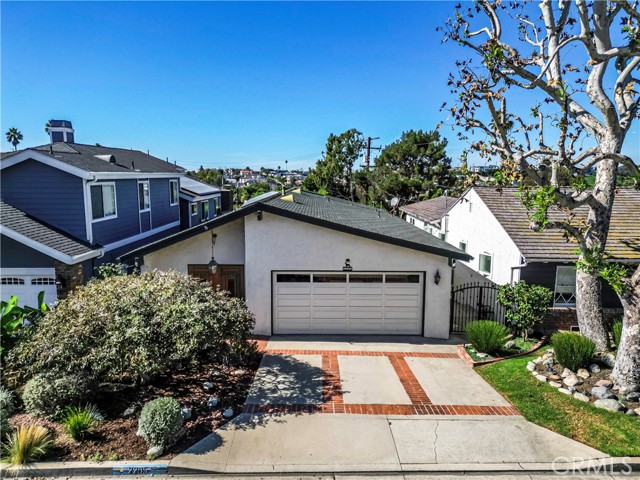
(229, 278)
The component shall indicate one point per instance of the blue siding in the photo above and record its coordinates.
(196, 219)
(162, 212)
(49, 194)
(127, 222)
(16, 255)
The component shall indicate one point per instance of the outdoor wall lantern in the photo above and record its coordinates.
(436, 277)
(213, 265)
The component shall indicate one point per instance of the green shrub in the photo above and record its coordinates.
(616, 329)
(487, 336)
(526, 305)
(7, 407)
(26, 444)
(572, 350)
(136, 325)
(49, 395)
(159, 421)
(79, 421)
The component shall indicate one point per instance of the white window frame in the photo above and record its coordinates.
(466, 245)
(177, 190)
(193, 206)
(555, 288)
(486, 254)
(142, 182)
(202, 217)
(115, 201)
(412, 220)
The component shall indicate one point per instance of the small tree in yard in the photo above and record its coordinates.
(525, 305)
(134, 326)
(552, 87)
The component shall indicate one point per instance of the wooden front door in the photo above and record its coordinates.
(229, 278)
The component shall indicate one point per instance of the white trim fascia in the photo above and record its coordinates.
(135, 238)
(50, 252)
(133, 174)
(177, 182)
(45, 159)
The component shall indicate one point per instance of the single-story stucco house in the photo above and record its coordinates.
(308, 263)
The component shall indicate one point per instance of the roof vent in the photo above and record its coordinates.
(107, 158)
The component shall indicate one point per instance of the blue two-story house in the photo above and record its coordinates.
(69, 207)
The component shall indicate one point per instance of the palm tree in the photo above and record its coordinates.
(14, 137)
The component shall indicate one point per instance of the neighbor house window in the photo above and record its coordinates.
(205, 211)
(103, 201)
(144, 196)
(194, 209)
(486, 260)
(564, 294)
(173, 192)
(463, 246)
(442, 236)
(412, 220)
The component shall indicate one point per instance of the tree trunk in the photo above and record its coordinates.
(626, 372)
(588, 287)
(589, 309)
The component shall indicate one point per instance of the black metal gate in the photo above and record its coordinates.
(474, 301)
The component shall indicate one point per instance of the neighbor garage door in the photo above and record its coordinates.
(27, 283)
(360, 303)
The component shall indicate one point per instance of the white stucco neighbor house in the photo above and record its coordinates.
(308, 263)
(429, 215)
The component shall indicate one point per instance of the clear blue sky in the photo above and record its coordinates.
(224, 84)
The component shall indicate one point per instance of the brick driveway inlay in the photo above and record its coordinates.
(333, 399)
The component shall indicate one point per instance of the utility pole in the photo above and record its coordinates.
(367, 155)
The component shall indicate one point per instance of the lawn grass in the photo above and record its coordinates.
(613, 433)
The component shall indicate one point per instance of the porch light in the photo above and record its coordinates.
(213, 265)
(436, 277)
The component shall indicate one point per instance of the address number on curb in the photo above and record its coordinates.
(145, 469)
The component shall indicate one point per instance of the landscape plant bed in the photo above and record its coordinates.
(522, 347)
(611, 433)
(115, 437)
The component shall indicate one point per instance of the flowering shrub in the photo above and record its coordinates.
(135, 326)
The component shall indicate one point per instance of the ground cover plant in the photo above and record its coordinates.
(612, 433)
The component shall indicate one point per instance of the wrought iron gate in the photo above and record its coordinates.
(474, 301)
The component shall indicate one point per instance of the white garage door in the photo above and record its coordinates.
(337, 303)
(27, 283)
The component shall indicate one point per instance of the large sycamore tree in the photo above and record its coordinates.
(550, 87)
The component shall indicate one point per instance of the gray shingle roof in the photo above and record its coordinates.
(328, 212)
(19, 222)
(86, 157)
(430, 210)
(550, 245)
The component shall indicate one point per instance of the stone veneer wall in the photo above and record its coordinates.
(565, 318)
(69, 276)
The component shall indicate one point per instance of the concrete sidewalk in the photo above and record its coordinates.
(378, 443)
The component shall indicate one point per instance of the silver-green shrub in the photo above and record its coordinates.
(48, 395)
(7, 407)
(131, 326)
(159, 421)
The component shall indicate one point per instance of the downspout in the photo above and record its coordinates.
(518, 267)
(87, 208)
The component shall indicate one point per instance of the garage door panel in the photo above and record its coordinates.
(331, 303)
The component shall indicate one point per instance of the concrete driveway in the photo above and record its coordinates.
(362, 405)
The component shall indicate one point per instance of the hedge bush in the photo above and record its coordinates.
(572, 350)
(487, 336)
(7, 407)
(48, 395)
(159, 421)
(136, 325)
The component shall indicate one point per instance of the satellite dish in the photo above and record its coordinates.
(394, 202)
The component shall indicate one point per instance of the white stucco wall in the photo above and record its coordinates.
(278, 243)
(229, 250)
(483, 234)
(422, 225)
(464, 274)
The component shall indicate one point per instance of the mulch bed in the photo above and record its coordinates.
(115, 438)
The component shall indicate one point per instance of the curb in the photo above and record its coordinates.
(462, 353)
(609, 465)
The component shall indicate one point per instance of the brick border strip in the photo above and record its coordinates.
(383, 409)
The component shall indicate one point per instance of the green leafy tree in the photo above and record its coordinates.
(250, 191)
(415, 167)
(334, 172)
(14, 137)
(560, 92)
(526, 305)
(212, 176)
